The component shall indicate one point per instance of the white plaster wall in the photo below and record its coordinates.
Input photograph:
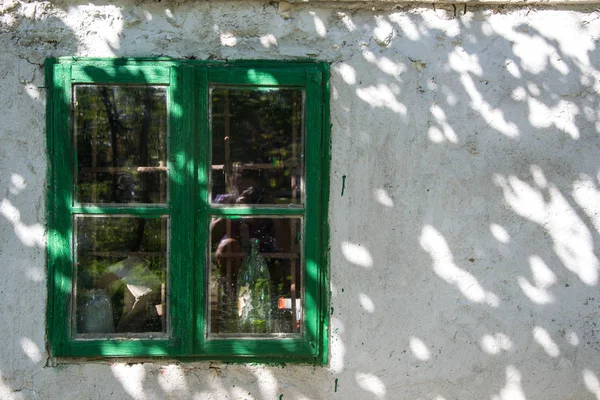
(465, 196)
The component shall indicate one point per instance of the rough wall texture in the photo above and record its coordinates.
(465, 197)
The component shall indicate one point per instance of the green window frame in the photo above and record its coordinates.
(187, 206)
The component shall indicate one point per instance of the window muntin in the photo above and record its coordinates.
(188, 209)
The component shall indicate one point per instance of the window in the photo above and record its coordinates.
(187, 209)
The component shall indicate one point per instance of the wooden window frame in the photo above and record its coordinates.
(188, 207)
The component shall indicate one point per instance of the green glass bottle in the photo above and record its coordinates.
(254, 293)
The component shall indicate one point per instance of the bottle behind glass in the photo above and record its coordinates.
(254, 293)
(94, 312)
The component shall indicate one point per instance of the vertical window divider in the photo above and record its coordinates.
(324, 216)
(313, 270)
(181, 170)
(201, 136)
(59, 207)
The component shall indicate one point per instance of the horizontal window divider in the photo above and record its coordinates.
(146, 210)
(120, 74)
(119, 348)
(264, 347)
(258, 76)
(256, 88)
(257, 211)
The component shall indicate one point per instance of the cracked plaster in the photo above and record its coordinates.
(464, 195)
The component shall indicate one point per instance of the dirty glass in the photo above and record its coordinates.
(121, 143)
(244, 299)
(121, 269)
(257, 146)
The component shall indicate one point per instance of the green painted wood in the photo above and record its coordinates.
(120, 74)
(189, 208)
(182, 106)
(255, 87)
(59, 230)
(309, 345)
(130, 210)
(202, 148)
(324, 218)
(312, 237)
(282, 347)
(120, 348)
(257, 76)
(258, 210)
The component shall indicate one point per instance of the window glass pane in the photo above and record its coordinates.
(257, 146)
(121, 145)
(121, 275)
(255, 294)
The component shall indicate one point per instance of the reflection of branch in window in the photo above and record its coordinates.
(115, 128)
(143, 154)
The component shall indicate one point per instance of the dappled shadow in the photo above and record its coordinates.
(488, 120)
(26, 43)
(464, 196)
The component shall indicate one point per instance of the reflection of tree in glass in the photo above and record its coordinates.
(263, 129)
(130, 268)
(120, 128)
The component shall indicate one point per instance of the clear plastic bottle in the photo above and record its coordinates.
(254, 293)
